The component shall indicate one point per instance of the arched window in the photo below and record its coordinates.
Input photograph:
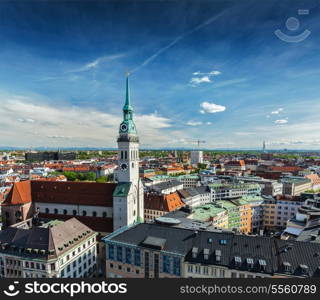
(104, 214)
(84, 213)
(56, 211)
(47, 210)
(74, 212)
(65, 211)
(94, 213)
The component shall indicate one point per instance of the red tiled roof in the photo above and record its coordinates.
(83, 193)
(166, 203)
(20, 193)
(314, 178)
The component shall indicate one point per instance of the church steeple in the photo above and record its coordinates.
(127, 106)
(127, 125)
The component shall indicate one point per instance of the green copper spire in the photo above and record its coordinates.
(127, 125)
(127, 106)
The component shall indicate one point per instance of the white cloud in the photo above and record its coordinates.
(203, 77)
(283, 121)
(211, 108)
(208, 123)
(277, 111)
(194, 123)
(22, 120)
(43, 124)
(198, 80)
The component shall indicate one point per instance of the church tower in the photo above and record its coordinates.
(128, 202)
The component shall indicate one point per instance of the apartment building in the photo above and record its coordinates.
(269, 187)
(189, 180)
(218, 216)
(195, 196)
(222, 191)
(158, 251)
(52, 250)
(294, 186)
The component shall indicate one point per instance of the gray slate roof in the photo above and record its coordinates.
(276, 253)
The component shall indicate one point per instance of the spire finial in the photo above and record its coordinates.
(127, 105)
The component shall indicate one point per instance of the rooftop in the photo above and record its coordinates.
(254, 253)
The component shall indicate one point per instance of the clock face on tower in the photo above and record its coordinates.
(124, 166)
(123, 127)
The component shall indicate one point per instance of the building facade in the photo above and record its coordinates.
(158, 251)
(53, 250)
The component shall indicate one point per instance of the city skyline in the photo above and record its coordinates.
(215, 72)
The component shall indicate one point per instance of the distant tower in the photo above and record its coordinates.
(128, 203)
(264, 147)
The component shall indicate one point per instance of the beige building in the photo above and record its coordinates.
(51, 250)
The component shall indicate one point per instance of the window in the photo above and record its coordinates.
(84, 213)
(128, 256)
(104, 214)
(56, 211)
(47, 210)
(137, 257)
(166, 263)
(65, 211)
(94, 213)
(119, 253)
(74, 212)
(111, 252)
(176, 266)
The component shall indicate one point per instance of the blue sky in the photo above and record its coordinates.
(213, 70)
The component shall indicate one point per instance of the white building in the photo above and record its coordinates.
(196, 157)
(52, 250)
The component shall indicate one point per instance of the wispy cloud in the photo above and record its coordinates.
(211, 108)
(277, 111)
(203, 77)
(176, 40)
(280, 122)
(194, 123)
(97, 62)
(30, 121)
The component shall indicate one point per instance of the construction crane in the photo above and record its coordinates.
(198, 142)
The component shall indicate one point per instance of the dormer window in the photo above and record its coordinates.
(250, 263)
(262, 264)
(304, 269)
(287, 266)
(237, 261)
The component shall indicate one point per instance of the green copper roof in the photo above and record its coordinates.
(127, 106)
(127, 125)
(122, 189)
